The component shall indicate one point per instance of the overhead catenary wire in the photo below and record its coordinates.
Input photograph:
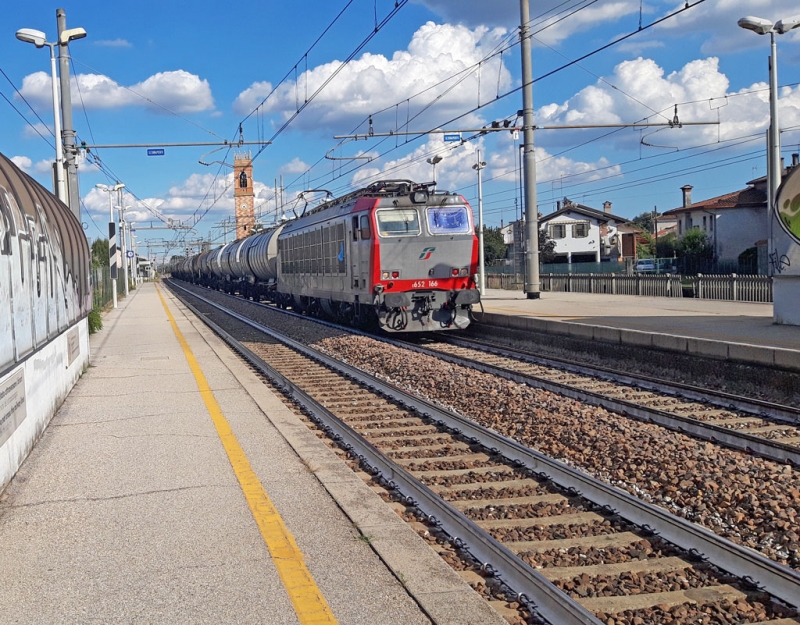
(550, 73)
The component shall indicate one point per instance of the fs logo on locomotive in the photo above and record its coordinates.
(426, 253)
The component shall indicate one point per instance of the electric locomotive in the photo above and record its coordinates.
(396, 254)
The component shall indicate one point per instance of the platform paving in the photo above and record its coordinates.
(737, 331)
(128, 510)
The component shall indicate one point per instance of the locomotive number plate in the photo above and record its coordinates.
(425, 284)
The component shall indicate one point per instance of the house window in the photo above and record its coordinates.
(680, 226)
(580, 230)
(704, 223)
(558, 231)
(711, 223)
(688, 222)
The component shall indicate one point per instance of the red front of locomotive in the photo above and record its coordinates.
(423, 260)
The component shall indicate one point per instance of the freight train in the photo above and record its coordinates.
(396, 254)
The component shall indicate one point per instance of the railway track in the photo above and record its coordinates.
(769, 430)
(575, 549)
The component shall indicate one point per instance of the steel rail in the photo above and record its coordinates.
(682, 390)
(752, 567)
(532, 588)
(736, 439)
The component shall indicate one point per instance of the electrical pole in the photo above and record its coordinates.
(67, 131)
(123, 238)
(481, 253)
(655, 232)
(529, 160)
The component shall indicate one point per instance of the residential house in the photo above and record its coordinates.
(583, 234)
(733, 222)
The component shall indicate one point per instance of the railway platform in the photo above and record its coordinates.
(173, 486)
(740, 332)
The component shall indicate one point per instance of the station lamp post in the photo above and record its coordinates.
(763, 26)
(481, 255)
(123, 233)
(37, 38)
(135, 257)
(112, 236)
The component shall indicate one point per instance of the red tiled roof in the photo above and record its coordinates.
(745, 198)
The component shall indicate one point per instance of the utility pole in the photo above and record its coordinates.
(68, 132)
(655, 230)
(529, 159)
(112, 236)
(123, 238)
(481, 254)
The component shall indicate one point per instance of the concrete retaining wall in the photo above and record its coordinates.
(732, 352)
(32, 391)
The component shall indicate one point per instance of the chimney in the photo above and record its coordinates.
(687, 194)
(558, 205)
(795, 160)
(606, 207)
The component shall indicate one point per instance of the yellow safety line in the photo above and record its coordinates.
(309, 604)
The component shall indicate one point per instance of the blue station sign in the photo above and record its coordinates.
(155, 151)
(452, 136)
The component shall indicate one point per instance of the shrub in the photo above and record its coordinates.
(95, 321)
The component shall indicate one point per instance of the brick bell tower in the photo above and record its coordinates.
(243, 193)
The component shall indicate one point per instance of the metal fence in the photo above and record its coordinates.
(731, 287)
(102, 295)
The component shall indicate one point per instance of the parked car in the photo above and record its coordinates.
(645, 265)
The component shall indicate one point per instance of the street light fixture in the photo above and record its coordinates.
(112, 236)
(433, 161)
(763, 26)
(37, 38)
(481, 255)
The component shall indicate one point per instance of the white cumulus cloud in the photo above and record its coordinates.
(699, 88)
(178, 91)
(37, 131)
(716, 21)
(552, 21)
(373, 81)
(295, 166)
(23, 162)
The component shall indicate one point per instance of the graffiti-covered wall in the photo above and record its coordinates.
(45, 297)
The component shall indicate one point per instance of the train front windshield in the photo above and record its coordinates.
(398, 222)
(448, 220)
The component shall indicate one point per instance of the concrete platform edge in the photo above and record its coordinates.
(437, 589)
(743, 353)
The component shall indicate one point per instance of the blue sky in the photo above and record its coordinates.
(159, 72)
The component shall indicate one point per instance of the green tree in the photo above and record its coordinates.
(695, 244)
(645, 249)
(667, 245)
(645, 221)
(493, 246)
(100, 253)
(547, 247)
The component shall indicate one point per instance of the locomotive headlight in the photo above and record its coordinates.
(454, 271)
(395, 274)
(465, 271)
(384, 275)
(419, 197)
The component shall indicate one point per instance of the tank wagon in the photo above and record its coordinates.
(394, 253)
